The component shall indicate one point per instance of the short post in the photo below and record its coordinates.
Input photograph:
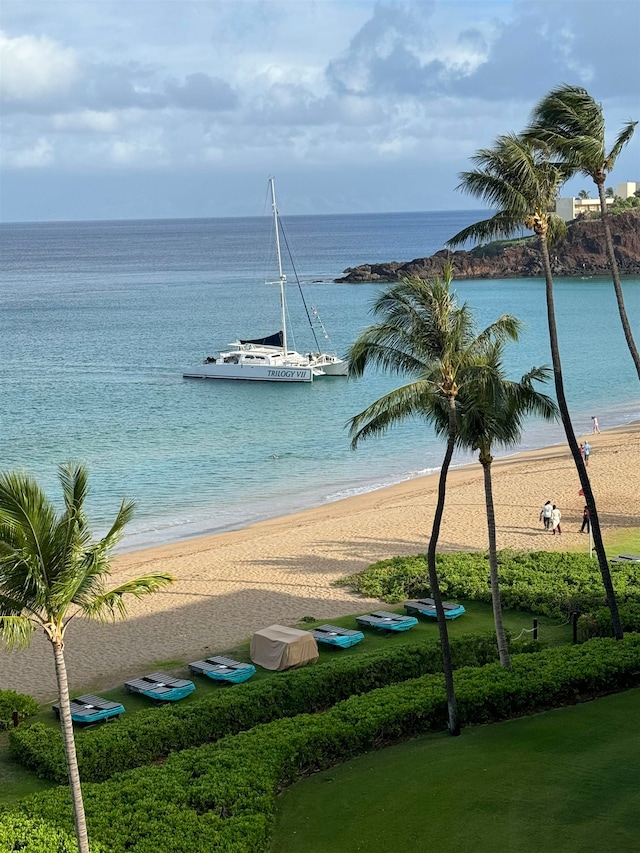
(574, 639)
(535, 629)
(15, 718)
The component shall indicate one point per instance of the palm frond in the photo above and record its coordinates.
(421, 398)
(16, 631)
(111, 603)
(500, 226)
(622, 139)
(556, 229)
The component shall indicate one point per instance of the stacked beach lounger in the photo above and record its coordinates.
(223, 669)
(386, 621)
(342, 638)
(427, 607)
(91, 709)
(161, 687)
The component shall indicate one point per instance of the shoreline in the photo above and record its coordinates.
(278, 570)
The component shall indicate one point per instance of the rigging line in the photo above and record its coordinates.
(295, 272)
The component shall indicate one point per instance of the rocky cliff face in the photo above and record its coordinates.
(581, 253)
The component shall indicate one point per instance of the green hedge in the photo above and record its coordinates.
(598, 624)
(554, 584)
(151, 734)
(221, 797)
(34, 835)
(11, 701)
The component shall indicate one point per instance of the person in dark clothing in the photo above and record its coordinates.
(586, 521)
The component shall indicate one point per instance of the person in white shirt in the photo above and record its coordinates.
(556, 515)
(545, 515)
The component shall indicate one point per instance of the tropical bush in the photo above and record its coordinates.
(34, 835)
(150, 735)
(552, 584)
(11, 701)
(222, 796)
(598, 624)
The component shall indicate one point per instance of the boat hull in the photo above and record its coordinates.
(251, 372)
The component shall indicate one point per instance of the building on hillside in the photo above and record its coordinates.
(570, 208)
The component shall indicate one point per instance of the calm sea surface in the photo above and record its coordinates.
(98, 320)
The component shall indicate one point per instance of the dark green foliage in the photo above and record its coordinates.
(221, 797)
(598, 624)
(11, 701)
(34, 835)
(152, 734)
(550, 583)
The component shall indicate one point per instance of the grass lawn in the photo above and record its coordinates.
(566, 781)
(477, 619)
(17, 781)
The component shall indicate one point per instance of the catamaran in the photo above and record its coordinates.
(269, 359)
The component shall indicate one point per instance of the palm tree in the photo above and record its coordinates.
(518, 179)
(584, 194)
(50, 571)
(571, 124)
(425, 333)
(491, 412)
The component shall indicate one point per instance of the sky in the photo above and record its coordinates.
(128, 109)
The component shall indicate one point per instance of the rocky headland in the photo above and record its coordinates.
(581, 253)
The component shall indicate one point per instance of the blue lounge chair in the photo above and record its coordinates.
(427, 607)
(385, 621)
(161, 687)
(626, 558)
(343, 638)
(91, 709)
(223, 669)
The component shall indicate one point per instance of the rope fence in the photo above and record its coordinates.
(573, 620)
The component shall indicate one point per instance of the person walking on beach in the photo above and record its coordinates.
(587, 452)
(585, 520)
(596, 428)
(582, 451)
(545, 515)
(556, 515)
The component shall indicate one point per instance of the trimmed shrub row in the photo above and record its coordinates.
(11, 701)
(599, 624)
(221, 797)
(150, 735)
(34, 835)
(553, 584)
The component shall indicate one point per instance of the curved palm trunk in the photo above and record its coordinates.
(66, 724)
(434, 583)
(501, 637)
(573, 445)
(615, 275)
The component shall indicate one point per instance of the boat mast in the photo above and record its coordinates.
(281, 276)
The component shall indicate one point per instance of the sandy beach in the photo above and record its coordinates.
(231, 584)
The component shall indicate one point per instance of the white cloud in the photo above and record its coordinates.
(35, 67)
(90, 121)
(38, 156)
(319, 86)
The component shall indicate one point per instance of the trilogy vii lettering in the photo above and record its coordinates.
(289, 374)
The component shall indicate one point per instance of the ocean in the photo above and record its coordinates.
(99, 319)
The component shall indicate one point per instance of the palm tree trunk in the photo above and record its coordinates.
(501, 637)
(573, 445)
(615, 275)
(66, 724)
(434, 583)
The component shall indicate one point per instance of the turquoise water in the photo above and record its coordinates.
(99, 319)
